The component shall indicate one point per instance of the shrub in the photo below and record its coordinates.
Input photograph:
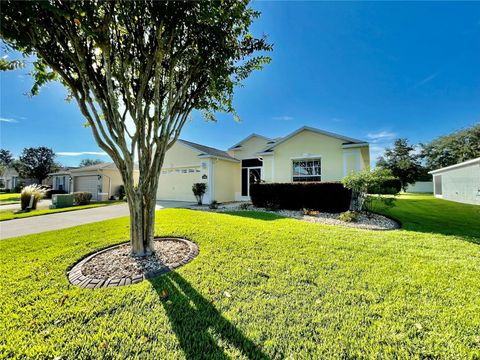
(213, 205)
(310, 212)
(321, 196)
(349, 216)
(390, 187)
(199, 190)
(82, 198)
(361, 181)
(38, 193)
(121, 192)
(50, 192)
(244, 206)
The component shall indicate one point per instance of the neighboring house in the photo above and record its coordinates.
(307, 154)
(10, 179)
(101, 180)
(460, 182)
(62, 179)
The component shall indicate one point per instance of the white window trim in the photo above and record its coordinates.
(309, 157)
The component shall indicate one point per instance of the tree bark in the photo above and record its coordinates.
(142, 222)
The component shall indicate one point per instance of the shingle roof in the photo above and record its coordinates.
(207, 150)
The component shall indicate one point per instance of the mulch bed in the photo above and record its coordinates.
(115, 266)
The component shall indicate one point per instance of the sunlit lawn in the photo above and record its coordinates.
(261, 287)
(9, 198)
(11, 214)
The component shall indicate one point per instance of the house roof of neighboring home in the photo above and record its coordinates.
(62, 171)
(239, 144)
(451, 167)
(347, 140)
(102, 166)
(207, 151)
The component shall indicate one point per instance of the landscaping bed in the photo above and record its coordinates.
(115, 266)
(363, 221)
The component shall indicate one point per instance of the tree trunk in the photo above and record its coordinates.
(142, 222)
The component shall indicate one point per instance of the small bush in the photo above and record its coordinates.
(390, 187)
(213, 205)
(38, 193)
(349, 216)
(121, 192)
(321, 196)
(50, 192)
(82, 198)
(310, 212)
(244, 206)
(199, 190)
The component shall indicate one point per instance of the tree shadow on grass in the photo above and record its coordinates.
(198, 325)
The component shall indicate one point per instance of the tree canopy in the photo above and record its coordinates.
(137, 70)
(452, 149)
(36, 163)
(6, 157)
(403, 161)
(89, 162)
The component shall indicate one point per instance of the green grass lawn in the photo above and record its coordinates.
(9, 198)
(261, 287)
(425, 213)
(9, 214)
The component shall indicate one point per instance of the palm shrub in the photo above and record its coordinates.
(199, 190)
(38, 193)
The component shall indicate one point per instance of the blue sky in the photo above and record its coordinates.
(374, 71)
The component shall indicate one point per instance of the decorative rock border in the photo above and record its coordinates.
(76, 277)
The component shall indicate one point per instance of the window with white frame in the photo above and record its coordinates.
(307, 170)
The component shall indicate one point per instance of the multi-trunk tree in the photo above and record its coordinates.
(137, 70)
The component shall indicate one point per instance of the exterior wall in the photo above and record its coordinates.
(461, 184)
(226, 181)
(111, 182)
(365, 151)
(308, 144)
(250, 148)
(421, 187)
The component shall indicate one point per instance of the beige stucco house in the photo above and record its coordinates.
(307, 154)
(101, 180)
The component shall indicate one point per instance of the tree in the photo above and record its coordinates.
(137, 70)
(6, 157)
(402, 161)
(36, 163)
(90, 162)
(359, 182)
(452, 149)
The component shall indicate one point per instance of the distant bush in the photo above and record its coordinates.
(50, 192)
(38, 193)
(349, 216)
(322, 196)
(82, 198)
(121, 192)
(390, 187)
(213, 205)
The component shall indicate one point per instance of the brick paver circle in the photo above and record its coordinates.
(76, 277)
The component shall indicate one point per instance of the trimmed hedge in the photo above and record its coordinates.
(82, 198)
(322, 196)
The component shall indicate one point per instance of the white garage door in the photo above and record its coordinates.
(87, 184)
(176, 184)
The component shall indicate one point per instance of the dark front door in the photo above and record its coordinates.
(250, 176)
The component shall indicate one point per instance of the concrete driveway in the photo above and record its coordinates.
(38, 224)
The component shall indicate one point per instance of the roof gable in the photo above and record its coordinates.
(248, 138)
(206, 150)
(347, 140)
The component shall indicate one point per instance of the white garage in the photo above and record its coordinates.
(460, 182)
(87, 184)
(176, 183)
